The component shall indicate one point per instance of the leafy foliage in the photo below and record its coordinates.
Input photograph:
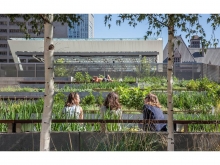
(79, 77)
(60, 70)
(37, 21)
(132, 98)
(89, 99)
(188, 23)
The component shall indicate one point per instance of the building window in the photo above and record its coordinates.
(3, 15)
(32, 61)
(3, 37)
(23, 60)
(32, 31)
(3, 30)
(29, 24)
(177, 59)
(3, 60)
(3, 45)
(3, 23)
(3, 53)
(15, 23)
(14, 30)
(13, 37)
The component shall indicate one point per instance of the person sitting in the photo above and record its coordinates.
(107, 79)
(112, 107)
(72, 107)
(151, 110)
(96, 79)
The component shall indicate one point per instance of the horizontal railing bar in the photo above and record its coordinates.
(113, 121)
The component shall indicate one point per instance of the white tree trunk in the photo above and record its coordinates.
(170, 145)
(49, 85)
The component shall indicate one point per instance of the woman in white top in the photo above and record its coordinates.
(112, 106)
(72, 108)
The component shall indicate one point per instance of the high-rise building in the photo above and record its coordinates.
(11, 30)
(85, 29)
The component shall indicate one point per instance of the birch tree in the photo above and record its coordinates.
(39, 22)
(188, 23)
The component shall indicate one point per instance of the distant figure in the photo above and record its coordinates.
(105, 79)
(112, 107)
(151, 110)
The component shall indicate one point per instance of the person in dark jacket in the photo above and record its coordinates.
(151, 110)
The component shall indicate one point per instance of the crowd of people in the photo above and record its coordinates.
(111, 105)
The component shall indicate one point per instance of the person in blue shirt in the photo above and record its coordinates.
(151, 110)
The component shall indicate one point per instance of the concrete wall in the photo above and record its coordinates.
(96, 141)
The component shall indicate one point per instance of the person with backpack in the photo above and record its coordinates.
(151, 110)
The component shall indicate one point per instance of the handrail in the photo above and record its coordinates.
(15, 125)
(113, 121)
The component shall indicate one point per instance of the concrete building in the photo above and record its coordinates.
(89, 50)
(11, 30)
(96, 56)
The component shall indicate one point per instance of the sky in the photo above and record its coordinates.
(126, 31)
(100, 7)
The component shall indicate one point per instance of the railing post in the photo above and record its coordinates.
(18, 128)
(17, 70)
(11, 128)
(35, 70)
(14, 128)
(185, 128)
(174, 69)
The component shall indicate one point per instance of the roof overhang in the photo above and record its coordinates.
(68, 47)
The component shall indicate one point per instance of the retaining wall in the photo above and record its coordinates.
(96, 141)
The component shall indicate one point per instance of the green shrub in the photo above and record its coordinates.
(79, 77)
(89, 99)
(99, 99)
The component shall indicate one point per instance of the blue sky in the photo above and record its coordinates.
(126, 31)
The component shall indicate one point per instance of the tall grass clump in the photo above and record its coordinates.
(132, 142)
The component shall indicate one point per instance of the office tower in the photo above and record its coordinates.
(85, 29)
(11, 30)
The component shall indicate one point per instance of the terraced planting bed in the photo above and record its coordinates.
(201, 102)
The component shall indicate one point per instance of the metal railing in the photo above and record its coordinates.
(184, 71)
(13, 125)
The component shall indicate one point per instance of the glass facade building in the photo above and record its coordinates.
(85, 29)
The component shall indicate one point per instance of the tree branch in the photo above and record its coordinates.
(155, 19)
(45, 19)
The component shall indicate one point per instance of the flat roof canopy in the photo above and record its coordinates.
(85, 54)
(88, 47)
